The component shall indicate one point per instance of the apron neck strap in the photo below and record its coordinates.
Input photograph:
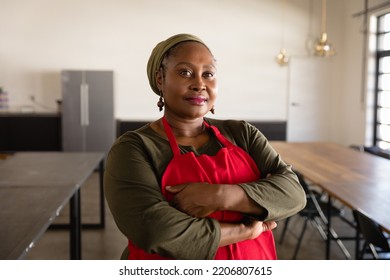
(225, 142)
(171, 137)
(172, 140)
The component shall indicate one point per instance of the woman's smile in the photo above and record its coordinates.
(196, 100)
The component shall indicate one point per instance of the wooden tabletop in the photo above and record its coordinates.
(359, 180)
(34, 187)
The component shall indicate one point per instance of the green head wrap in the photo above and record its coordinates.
(157, 55)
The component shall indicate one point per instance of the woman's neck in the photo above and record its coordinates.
(186, 128)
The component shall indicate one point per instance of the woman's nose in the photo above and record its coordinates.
(198, 84)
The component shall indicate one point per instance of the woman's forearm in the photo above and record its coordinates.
(201, 199)
(234, 198)
(232, 233)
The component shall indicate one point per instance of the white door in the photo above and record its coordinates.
(308, 100)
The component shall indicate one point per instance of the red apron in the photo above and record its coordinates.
(231, 165)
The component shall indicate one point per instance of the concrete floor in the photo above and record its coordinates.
(108, 243)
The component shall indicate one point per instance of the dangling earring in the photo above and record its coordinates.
(212, 110)
(160, 103)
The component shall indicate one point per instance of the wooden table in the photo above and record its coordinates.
(34, 187)
(359, 180)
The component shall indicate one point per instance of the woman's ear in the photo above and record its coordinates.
(159, 79)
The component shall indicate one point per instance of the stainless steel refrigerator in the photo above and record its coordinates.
(88, 123)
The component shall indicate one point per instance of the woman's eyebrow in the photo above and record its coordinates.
(191, 65)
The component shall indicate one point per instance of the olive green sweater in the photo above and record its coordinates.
(134, 168)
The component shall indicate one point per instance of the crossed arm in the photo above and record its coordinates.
(200, 200)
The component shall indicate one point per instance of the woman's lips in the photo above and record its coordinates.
(197, 100)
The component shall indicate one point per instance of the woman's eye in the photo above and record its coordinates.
(208, 75)
(185, 73)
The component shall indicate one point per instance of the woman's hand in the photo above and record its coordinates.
(256, 227)
(250, 229)
(195, 199)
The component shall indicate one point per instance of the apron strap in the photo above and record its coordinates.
(175, 147)
(225, 142)
(171, 137)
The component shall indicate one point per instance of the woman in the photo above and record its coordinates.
(190, 187)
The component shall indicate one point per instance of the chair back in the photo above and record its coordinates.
(306, 188)
(371, 231)
(313, 206)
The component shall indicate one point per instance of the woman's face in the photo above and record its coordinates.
(189, 84)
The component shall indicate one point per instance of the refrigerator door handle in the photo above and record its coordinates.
(84, 104)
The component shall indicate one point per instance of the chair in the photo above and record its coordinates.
(314, 212)
(377, 151)
(374, 150)
(375, 241)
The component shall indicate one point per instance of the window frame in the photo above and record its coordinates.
(380, 54)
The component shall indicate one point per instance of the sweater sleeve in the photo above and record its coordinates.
(132, 189)
(278, 190)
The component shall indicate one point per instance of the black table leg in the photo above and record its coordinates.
(329, 235)
(102, 209)
(357, 244)
(75, 227)
(102, 223)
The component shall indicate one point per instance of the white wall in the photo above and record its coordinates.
(351, 79)
(38, 38)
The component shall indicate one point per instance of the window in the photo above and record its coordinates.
(382, 94)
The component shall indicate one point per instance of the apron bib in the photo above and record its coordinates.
(231, 165)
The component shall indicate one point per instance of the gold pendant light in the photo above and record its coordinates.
(322, 46)
(282, 57)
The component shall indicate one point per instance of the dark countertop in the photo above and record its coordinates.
(15, 113)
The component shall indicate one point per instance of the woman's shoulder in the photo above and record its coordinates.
(143, 135)
(144, 131)
(230, 124)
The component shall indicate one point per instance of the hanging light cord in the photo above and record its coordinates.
(323, 16)
(283, 14)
